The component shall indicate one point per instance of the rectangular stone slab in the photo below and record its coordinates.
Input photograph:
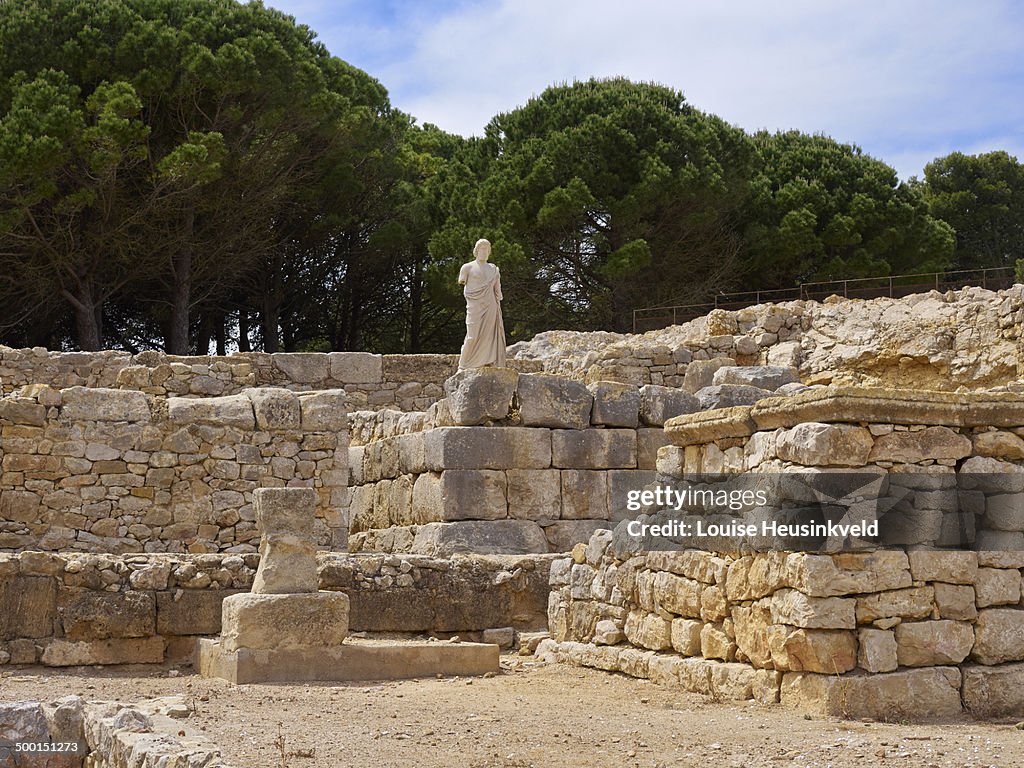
(370, 660)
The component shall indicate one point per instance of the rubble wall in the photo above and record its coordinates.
(61, 609)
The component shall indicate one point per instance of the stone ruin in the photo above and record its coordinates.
(487, 504)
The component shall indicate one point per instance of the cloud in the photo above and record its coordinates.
(906, 81)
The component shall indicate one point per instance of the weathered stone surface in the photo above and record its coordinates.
(593, 448)
(534, 494)
(677, 594)
(479, 395)
(910, 603)
(608, 632)
(997, 586)
(190, 611)
(303, 367)
(324, 411)
(751, 624)
(563, 535)
(280, 622)
(648, 443)
(729, 396)
(584, 494)
(287, 553)
(948, 566)
(1005, 511)
(876, 650)
(999, 445)
(933, 643)
(648, 630)
(487, 448)
(615, 404)
(992, 692)
(955, 601)
(998, 636)
(356, 367)
(715, 643)
(685, 636)
(28, 607)
(819, 445)
(769, 377)
(472, 494)
(84, 404)
(913, 447)
(847, 574)
(89, 615)
(894, 696)
(790, 606)
(659, 404)
(275, 408)
(553, 401)
(131, 650)
(230, 411)
(701, 373)
(402, 368)
(830, 651)
(485, 537)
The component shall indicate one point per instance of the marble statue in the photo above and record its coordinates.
(485, 330)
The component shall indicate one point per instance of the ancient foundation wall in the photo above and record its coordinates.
(889, 633)
(109, 470)
(62, 609)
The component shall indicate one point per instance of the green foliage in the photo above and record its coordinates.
(982, 198)
(821, 210)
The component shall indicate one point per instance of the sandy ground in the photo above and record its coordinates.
(529, 715)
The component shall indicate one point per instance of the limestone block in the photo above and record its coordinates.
(275, 409)
(324, 411)
(715, 643)
(285, 518)
(593, 448)
(909, 603)
(584, 494)
(534, 494)
(659, 404)
(484, 537)
(402, 368)
(411, 455)
(1005, 512)
(553, 401)
(876, 650)
(648, 630)
(472, 494)
(992, 692)
(608, 632)
(729, 396)
(893, 696)
(769, 377)
(480, 395)
(231, 411)
(790, 606)
(563, 535)
(955, 601)
(356, 367)
(847, 574)
(997, 586)
(190, 611)
(948, 566)
(116, 650)
(27, 606)
(999, 445)
(17, 410)
(813, 444)
(282, 622)
(302, 367)
(615, 404)
(487, 448)
(701, 373)
(90, 615)
(831, 651)
(648, 442)
(86, 404)
(751, 624)
(933, 643)
(998, 636)
(620, 483)
(994, 541)
(685, 636)
(913, 447)
(677, 594)
(713, 605)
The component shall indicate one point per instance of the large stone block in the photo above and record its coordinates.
(701, 373)
(479, 395)
(648, 443)
(846, 574)
(830, 651)
(729, 396)
(190, 611)
(615, 404)
(813, 444)
(487, 448)
(275, 409)
(997, 586)
(534, 494)
(910, 603)
(955, 601)
(620, 483)
(677, 594)
(553, 401)
(876, 650)
(287, 554)
(419, 368)
(750, 624)
(85, 404)
(89, 615)
(281, 622)
(302, 367)
(659, 404)
(998, 636)
(584, 494)
(949, 566)
(648, 630)
(933, 643)
(593, 448)
(472, 494)
(356, 367)
(28, 606)
(790, 606)
(324, 411)
(484, 537)
(231, 411)
(991, 692)
(999, 445)
(911, 694)
(769, 377)
(913, 447)
(130, 650)
(563, 535)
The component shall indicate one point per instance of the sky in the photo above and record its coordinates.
(905, 80)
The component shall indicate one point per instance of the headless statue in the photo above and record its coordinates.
(485, 330)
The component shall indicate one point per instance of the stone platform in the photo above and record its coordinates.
(353, 660)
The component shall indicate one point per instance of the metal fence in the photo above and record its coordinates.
(893, 286)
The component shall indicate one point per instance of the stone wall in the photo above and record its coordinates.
(62, 609)
(123, 471)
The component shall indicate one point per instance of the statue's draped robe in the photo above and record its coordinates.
(485, 330)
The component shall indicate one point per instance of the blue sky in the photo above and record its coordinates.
(907, 80)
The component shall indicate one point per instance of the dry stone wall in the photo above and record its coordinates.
(61, 609)
(124, 471)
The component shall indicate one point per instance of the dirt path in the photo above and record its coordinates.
(530, 715)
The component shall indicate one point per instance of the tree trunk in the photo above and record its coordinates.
(181, 295)
(244, 345)
(416, 308)
(88, 317)
(221, 333)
